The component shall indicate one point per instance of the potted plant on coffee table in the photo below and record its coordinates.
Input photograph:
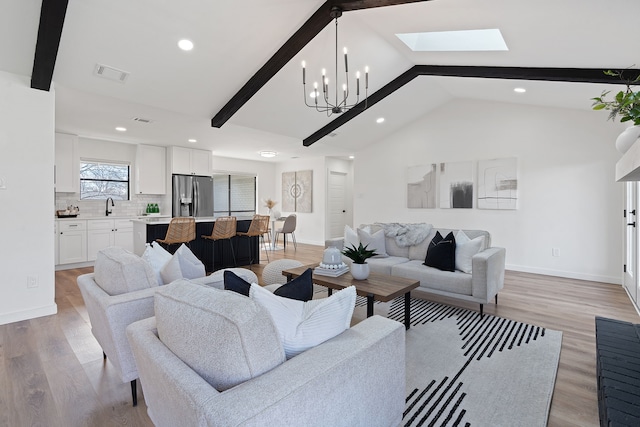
(359, 256)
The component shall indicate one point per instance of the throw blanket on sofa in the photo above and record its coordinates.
(406, 234)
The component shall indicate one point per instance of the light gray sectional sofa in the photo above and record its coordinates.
(481, 285)
(214, 358)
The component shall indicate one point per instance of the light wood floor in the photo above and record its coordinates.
(52, 372)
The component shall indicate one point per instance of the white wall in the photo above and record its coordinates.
(568, 198)
(26, 205)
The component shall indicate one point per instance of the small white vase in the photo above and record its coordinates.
(360, 271)
(627, 138)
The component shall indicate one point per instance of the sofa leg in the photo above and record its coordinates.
(104, 356)
(134, 393)
(481, 310)
(496, 299)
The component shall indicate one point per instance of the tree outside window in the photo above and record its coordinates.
(99, 181)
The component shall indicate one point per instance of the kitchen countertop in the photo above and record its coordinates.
(89, 218)
(167, 220)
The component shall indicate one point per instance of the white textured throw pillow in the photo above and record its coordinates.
(374, 242)
(465, 250)
(350, 238)
(182, 265)
(303, 325)
(156, 256)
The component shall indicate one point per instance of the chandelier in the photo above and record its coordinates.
(339, 105)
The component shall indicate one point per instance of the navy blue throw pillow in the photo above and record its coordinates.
(300, 288)
(233, 282)
(441, 253)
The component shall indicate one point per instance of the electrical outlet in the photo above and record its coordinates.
(555, 251)
(32, 281)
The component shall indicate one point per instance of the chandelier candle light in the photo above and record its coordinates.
(339, 106)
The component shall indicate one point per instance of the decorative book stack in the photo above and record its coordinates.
(332, 264)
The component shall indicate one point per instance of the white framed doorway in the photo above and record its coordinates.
(631, 263)
(337, 203)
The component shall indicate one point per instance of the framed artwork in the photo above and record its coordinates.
(421, 186)
(297, 191)
(456, 185)
(498, 183)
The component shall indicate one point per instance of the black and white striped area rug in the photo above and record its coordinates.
(466, 371)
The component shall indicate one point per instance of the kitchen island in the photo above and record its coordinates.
(246, 249)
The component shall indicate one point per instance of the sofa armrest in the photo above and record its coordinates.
(336, 242)
(110, 315)
(488, 273)
(371, 355)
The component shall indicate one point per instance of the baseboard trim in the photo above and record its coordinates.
(567, 274)
(18, 316)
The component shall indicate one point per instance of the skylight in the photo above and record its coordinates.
(455, 41)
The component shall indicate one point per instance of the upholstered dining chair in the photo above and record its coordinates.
(258, 228)
(224, 228)
(181, 230)
(289, 227)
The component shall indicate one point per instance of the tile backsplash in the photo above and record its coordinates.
(96, 208)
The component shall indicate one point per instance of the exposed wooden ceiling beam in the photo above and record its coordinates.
(296, 42)
(575, 75)
(52, 14)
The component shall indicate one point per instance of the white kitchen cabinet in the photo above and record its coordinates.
(190, 161)
(72, 241)
(151, 170)
(102, 233)
(67, 164)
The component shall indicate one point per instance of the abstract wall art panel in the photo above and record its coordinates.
(421, 186)
(456, 185)
(288, 199)
(498, 183)
(304, 186)
(297, 191)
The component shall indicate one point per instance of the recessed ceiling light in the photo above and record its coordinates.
(455, 41)
(380, 120)
(121, 129)
(268, 153)
(185, 44)
(520, 90)
(193, 140)
(352, 157)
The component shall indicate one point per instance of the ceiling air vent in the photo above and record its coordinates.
(110, 73)
(141, 120)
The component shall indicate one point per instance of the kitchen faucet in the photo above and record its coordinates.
(107, 203)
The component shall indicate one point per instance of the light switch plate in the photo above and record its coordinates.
(3, 183)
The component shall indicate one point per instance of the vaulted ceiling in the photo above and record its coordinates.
(181, 91)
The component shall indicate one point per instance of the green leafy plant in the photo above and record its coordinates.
(625, 103)
(360, 254)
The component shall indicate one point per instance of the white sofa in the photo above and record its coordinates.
(355, 379)
(481, 285)
(112, 308)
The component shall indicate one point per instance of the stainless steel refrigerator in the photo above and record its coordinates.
(192, 195)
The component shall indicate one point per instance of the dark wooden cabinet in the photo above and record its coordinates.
(218, 254)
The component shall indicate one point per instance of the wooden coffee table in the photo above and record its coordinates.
(378, 287)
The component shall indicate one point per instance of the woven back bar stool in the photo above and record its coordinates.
(181, 230)
(258, 227)
(224, 228)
